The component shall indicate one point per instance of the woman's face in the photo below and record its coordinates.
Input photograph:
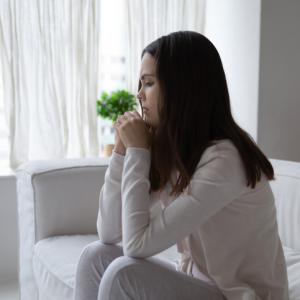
(149, 91)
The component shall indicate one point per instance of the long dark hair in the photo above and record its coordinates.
(193, 111)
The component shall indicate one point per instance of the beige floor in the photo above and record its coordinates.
(9, 292)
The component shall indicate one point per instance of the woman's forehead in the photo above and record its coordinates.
(148, 65)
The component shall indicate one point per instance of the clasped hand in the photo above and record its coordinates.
(133, 130)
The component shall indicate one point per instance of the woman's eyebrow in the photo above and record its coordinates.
(147, 75)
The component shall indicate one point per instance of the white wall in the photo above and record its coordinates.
(233, 26)
(8, 230)
(259, 44)
(279, 92)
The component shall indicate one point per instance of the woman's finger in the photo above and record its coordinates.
(121, 119)
(136, 113)
(117, 123)
(130, 115)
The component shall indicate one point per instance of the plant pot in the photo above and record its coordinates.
(107, 151)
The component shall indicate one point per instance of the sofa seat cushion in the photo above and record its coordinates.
(292, 258)
(55, 261)
(54, 264)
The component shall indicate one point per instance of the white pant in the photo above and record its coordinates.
(103, 273)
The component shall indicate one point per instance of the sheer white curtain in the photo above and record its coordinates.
(49, 56)
(148, 20)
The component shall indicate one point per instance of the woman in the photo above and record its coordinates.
(211, 179)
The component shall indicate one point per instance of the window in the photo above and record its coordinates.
(111, 75)
(112, 59)
(4, 145)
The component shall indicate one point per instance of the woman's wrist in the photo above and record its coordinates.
(120, 150)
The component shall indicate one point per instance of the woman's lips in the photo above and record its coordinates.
(145, 113)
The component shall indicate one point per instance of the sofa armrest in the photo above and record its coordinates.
(286, 190)
(59, 197)
(55, 197)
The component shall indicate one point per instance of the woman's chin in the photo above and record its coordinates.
(148, 125)
(149, 122)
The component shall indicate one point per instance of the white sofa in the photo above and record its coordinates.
(57, 211)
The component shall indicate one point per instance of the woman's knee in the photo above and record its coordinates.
(118, 278)
(97, 251)
(121, 264)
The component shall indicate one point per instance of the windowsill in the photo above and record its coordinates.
(6, 172)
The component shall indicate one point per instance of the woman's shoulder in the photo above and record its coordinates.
(223, 157)
(223, 149)
(222, 160)
(224, 145)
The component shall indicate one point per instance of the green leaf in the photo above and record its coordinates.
(110, 106)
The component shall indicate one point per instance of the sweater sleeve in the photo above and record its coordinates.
(213, 185)
(109, 225)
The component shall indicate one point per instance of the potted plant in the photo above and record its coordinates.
(110, 106)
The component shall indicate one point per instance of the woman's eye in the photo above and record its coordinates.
(148, 83)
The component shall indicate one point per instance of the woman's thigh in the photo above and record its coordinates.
(93, 261)
(151, 279)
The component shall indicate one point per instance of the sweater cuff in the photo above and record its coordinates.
(117, 156)
(138, 159)
(116, 163)
(138, 151)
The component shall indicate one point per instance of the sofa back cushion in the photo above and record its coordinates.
(286, 189)
(60, 197)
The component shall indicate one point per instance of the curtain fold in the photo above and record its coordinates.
(49, 59)
(148, 20)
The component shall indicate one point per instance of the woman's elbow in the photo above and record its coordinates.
(135, 251)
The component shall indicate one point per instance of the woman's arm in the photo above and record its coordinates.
(214, 185)
(109, 224)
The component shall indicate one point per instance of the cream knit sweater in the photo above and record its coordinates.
(228, 230)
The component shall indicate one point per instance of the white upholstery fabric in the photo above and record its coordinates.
(48, 257)
(63, 189)
(286, 189)
(292, 258)
(26, 220)
(64, 193)
(54, 264)
(55, 260)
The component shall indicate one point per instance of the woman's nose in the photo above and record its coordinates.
(140, 96)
